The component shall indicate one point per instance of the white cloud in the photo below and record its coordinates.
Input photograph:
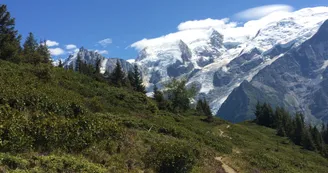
(104, 52)
(206, 24)
(56, 51)
(71, 46)
(261, 11)
(191, 31)
(73, 51)
(51, 43)
(105, 42)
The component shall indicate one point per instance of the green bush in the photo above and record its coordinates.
(173, 157)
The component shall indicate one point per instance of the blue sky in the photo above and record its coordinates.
(121, 23)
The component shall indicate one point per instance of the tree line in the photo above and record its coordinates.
(295, 128)
(131, 80)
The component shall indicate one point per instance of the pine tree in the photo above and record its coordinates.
(325, 133)
(264, 115)
(159, 98)
(299, 129)
(30, 45)
(199, 106)
(258, 113)
(207, 111)
(9, 38)
(307, 141)
(158, 95)
(317, 138)
(118, 76)
(98, 65)
(130, 79)
(44, 52)
(78, 64)
(60, 64)
(278, 118)
(137, 83)
(287, 123)
(31, 53)
(270, 120)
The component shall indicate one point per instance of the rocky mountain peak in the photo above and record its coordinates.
(216, 39)
(321, 35)
(186, 54)
(91, 57)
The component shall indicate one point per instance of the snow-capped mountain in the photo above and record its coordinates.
(217, 61)
(296, 81)
(91, 57)
(280, 59)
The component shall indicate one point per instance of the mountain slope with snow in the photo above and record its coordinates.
(218, 58)
(296, 81)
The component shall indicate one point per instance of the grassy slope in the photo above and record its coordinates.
(121, 131)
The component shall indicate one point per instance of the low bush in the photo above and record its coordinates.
(173, 157)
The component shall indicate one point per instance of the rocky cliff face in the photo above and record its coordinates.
(296, 81)
(91, 57)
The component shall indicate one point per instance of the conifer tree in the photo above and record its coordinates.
(203, 108)
(118, 76)
(288, 124)
(43, 51)
(60, 64)
(98, 65)
(299, 129)
(307, 141)
(207, 111)
(30, 45)
(78, 64)
(317, 138)
(264, 115)
(199, 106)
(137, 80)
(31, 52)
(158, 95)
(325, 133)
(9, 38)
(278, 118)
(269, 120)
(258, 113)
(159, 98)
(130, 78)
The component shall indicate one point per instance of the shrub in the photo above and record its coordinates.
(174, 157)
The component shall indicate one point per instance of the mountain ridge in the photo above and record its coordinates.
(295, 81)
(217, 63)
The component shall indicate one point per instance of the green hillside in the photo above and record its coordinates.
(77, 120)
(73, 123)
